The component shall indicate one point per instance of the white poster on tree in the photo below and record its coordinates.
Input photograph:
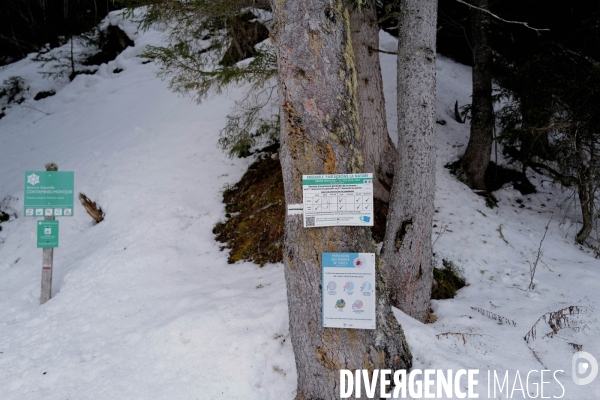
(348, 290)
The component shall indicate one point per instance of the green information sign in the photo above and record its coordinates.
(48, 194)
(47, 234)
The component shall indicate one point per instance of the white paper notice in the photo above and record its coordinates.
(338, 200)
(348, 290)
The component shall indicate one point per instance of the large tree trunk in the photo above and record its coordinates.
(477, 156)
(378, 149)
(407, 249)
(320, 134)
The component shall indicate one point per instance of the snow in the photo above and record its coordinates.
(145, 305)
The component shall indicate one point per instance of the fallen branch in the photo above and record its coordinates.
(557, 320)
(539, 255)
(576, 346)
(92, 208)
(494, 316)
(536, 356)
(462, 335)
(33, 108)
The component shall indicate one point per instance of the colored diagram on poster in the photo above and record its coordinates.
(348, 290)
(337, 200)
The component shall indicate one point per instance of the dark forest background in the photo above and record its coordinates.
(29, 25)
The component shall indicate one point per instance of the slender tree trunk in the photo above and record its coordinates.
(378, 149)
(407, 249)
(535, 104)
(585, 191)
(477, 156)
(72, 60)
(320, 134)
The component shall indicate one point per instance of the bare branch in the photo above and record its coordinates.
(535, 354)
(33, 108)
(442, 231)
(382, 51)
(525, 24)
(533, 267)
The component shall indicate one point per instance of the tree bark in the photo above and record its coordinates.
(407, 249)
(477, 156)
(378, 149)
(320, 134)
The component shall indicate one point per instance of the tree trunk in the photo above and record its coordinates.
(407, 249)
(536, 114)
(320, 134)
(477, 156)
(585, 189)
(378, 149)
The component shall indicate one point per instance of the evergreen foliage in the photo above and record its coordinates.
(214, 44)
(550, 83)
(547, 86)
(193, 70)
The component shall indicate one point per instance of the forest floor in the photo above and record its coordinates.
(145, 304)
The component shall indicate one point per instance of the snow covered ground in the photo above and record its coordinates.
(145, 305)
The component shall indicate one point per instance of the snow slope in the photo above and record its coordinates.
(145, 305)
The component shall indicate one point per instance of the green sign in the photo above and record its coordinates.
(48, 194)
(338, 179)
(47, 234)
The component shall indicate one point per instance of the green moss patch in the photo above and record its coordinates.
(255, 215)
(446, 281)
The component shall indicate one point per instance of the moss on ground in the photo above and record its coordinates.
(255, 215)
(446, 281)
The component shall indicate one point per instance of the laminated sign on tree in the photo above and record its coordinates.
(338, 200)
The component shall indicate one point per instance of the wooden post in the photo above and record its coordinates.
(47, 258)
